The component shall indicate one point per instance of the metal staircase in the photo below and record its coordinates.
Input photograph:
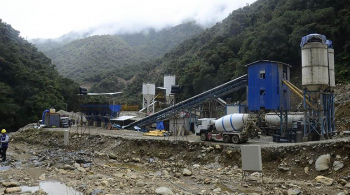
(219, 91)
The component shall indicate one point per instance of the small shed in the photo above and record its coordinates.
(266, 91)
(122, 120)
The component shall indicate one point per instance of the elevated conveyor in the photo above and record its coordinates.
(219, 91)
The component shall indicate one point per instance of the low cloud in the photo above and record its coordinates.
(51, 19)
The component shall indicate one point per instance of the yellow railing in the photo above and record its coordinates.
(298, 92)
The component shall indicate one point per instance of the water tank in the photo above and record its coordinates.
(148, 89)
(274, 119)
(314, 65)
(169, 80)
(232, 122)
(331, 67)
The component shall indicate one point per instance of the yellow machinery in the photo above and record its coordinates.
(156, 133)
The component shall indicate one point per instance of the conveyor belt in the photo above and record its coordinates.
(219, 91)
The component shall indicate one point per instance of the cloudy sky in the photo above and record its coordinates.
(53, 18)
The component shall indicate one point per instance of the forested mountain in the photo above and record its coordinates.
(92, 59)
(29, 83)
(85, 59)
(154, 44)
(266, 29)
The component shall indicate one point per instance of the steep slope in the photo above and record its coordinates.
(29, 84)
(153, 44)
(86, 58)
(267, 29)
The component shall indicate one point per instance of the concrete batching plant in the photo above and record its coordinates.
(269, 99)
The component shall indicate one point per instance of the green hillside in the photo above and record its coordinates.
(93, 59)
(267, 29)
(29, 83)
(85, 59)
(154, 44)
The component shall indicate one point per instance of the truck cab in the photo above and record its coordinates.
(203, 124)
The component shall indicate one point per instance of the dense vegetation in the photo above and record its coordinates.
(265, 30)
(29, 83)
(91, 60)
(85, 59)
(154, 44)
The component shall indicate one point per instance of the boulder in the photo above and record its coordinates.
(10, 184)
(337, 165)
(113, 156)
(217, 190)
(325, 180)
(140, 184)
(186, 172)
(294, 191)
(13, 190)
(218, 147)
(283, 168)
(67, 167)
(81, 169)
(342, 182)
(163, 191)
(322, 162)
(177, 175)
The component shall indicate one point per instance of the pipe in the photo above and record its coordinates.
(301, 96)
(296, 88)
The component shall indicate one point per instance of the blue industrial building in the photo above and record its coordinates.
(266, 90)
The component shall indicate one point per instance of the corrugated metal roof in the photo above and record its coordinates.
(269, 61)
(122, 118)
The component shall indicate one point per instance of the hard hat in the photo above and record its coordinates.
(3, 131)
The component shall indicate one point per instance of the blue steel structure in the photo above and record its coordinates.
(219, 91)
(320, 120)
(266, 90)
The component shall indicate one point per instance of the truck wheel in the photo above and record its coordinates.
(204, 136)
(271, 132)
(227, 139)
(235, 139)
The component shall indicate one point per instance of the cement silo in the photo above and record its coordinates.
(169, 80)
(315, 74)
(331, 63)
(148, 92)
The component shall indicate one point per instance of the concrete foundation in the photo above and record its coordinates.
(95, 124)
(103, 124)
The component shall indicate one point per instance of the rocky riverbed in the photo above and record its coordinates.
(96, 164)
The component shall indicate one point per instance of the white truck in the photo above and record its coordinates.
(234, 128)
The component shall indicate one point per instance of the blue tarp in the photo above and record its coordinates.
(160, 125)
(329, 44)
(307, 38)
(115, 108)
(43, 117)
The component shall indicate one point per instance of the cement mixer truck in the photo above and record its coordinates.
(234, 128)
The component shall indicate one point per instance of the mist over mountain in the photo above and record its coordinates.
(86, 60)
